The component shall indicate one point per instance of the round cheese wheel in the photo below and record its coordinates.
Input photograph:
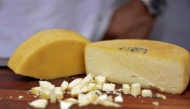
(50, 54)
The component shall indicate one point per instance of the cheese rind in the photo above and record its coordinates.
(50, 54)
(153, 64)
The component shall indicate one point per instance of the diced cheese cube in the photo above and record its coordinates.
(100, 87)
(106, 101)
(65, 104)
(58, 93)
(103, 97)
(45, 94)
(146, 93)
(100, 80)
(36, 90)
(75, 92)
(52, 94)
(126, 89)
(39, 103)
(45, 85)
(64, 85)
(118, 98)
(85, 99)
(109, 87)
(74, 82)
(135, 89)
(72, 100)
(89, 87)
(86, 80)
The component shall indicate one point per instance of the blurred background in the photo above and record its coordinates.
(94, 19)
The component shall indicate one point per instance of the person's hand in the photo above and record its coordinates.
(130, 21)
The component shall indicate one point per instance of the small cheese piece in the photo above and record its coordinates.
(72, 100)
(83, 100)
(85, 80)
(64, 85)
(50, 54)
(126, 89)
(65, 104)
(106, 101)
(156, 103)
(39, 103)
(73, 83)
(89, 87)
(75, 92)
(52, 94)
(153, 64)
(45, 85)
(36, 90)
(118, 98)
(100, 80)
(159, 96)
(58, 93)
(100, 87)
(135, 89)
(109, 87)
(45, 94)
(146, 93)
(103, 97)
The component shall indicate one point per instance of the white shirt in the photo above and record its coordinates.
(20, 19)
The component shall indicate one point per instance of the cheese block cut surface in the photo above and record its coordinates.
(50, 54)
(153, 64)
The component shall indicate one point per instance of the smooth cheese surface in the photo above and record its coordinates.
(50, 54)
(155, 65)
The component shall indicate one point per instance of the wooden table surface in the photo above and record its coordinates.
(12, 86)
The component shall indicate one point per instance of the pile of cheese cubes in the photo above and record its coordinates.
(84, 91)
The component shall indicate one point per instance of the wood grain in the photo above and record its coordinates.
(12, 86)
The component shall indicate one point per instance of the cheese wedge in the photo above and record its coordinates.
(153, 64)
(50, 54)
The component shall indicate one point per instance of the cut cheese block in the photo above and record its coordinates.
(50, 54)
(153, 64)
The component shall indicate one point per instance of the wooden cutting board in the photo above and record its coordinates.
(13, 86)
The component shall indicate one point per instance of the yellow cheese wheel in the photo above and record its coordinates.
(153, 64)
(50, 54)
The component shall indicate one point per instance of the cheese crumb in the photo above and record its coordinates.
(118, 99)
(159, 96)
(20, 97)
(155, 103)
(39, 103)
